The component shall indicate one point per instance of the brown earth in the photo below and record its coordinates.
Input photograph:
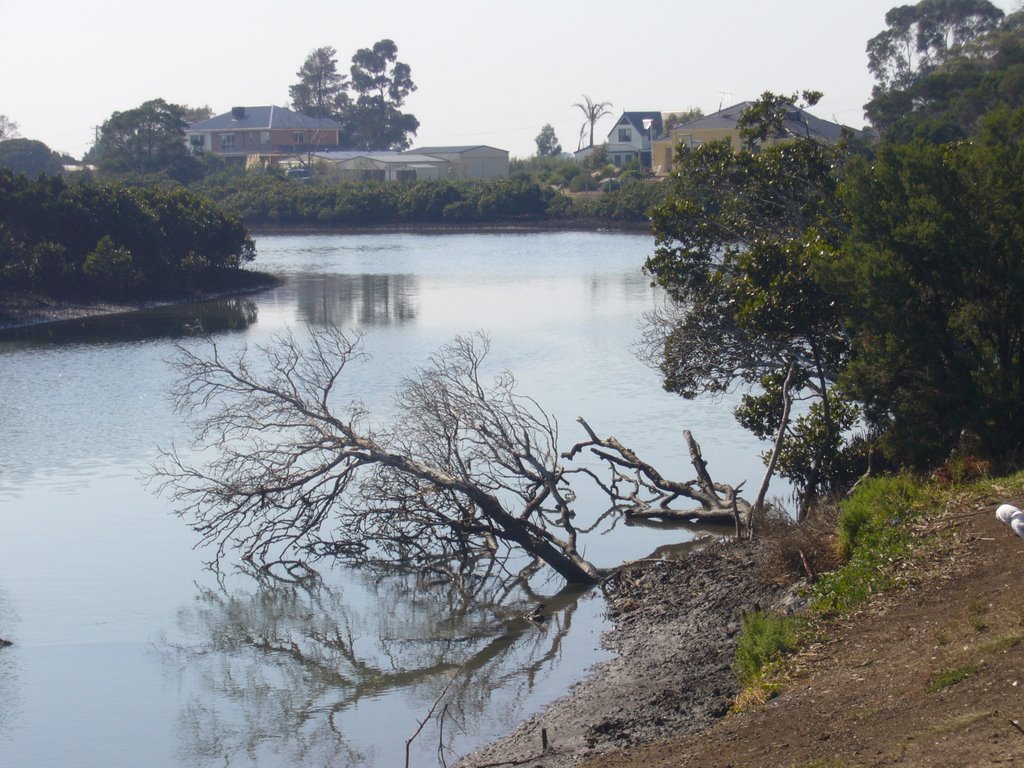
(868, 694)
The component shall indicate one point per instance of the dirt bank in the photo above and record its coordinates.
(674, 627)
(931, 675)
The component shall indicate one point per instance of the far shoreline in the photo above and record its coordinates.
(599, 227)
(25, 309)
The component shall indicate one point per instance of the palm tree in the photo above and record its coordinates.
(594, 111)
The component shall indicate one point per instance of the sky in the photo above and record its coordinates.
(489, 73)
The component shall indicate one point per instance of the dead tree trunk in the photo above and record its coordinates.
(466, 481)
(638, 490)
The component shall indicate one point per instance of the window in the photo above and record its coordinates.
(298, 137)
(625, 135)
(197, 140)
(227, 141)
(265, 137)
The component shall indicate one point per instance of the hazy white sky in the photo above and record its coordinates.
(488, 72)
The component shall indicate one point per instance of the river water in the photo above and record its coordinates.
(128, 652)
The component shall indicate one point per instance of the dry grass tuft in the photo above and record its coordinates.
(800, 550)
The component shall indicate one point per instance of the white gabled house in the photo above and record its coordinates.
(630, 138)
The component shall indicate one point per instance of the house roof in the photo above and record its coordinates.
(341, 155)
(263, 118)
(798, 122)
(451, 150)
(638, 119)
(386, 157)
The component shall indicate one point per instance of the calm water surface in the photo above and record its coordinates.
(128, 652)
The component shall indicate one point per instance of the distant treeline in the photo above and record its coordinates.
(88, 239)
(271, 200)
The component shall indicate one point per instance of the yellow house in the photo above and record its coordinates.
(723, 125)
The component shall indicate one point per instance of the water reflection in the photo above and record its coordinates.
(9, 688)
(174, 321)
(81, 421)
(309, 672)
(354, 300)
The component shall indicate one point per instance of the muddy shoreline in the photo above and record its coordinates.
(675, 628)
(22, 309)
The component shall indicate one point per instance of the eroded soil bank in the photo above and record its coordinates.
(675, 624)
(929, 675)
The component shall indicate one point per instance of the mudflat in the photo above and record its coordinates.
(931, 674)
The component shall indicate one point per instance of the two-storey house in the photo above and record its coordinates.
(263, 135)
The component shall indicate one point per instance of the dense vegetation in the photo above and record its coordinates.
(877, 283)
(88, 239)
(269, 200)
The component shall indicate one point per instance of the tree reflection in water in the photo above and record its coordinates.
(310, 673)
(358, 300)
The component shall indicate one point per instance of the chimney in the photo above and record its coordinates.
(237, 113)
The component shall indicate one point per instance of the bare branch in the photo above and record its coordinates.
(467, 480)
(638, 490)
(467, 476)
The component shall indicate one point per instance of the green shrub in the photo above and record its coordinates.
(873, 535)
(582, 182)
(86, 239)
(877, 504)
(111, 268)
(765, 637)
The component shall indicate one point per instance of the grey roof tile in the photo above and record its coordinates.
(263, 118)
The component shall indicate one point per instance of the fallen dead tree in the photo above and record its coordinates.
(466, 481)
(638, 490)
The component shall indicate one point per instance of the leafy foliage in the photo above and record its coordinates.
(944, 101)
(592, 111)
(675, 119)
(8, 128)
(321, 91)
(271, 199)
(547, 142)
(921, 37)
(887, 275)
(88, 239)
(932, 274)
(29, 157)
(764, 639)
(738, 240)
(382, 84)
(148, 139)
